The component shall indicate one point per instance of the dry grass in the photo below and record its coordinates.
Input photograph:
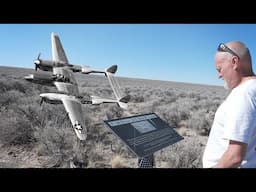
(118, 162)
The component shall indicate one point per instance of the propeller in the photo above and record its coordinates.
(37, 62)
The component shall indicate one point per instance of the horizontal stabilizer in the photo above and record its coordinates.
(125, 99)
(122, 105)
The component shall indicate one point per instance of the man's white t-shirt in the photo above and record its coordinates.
(235, 120)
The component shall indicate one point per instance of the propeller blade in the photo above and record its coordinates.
(37, 61)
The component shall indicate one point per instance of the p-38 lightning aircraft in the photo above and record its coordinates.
(68, 93)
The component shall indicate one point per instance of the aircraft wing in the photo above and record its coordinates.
(65, 81)
(58, 53)
(74, 110)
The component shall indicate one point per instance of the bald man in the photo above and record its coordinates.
(232, 139)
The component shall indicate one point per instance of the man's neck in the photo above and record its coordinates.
(246, 78)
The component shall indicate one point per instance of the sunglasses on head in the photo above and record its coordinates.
(224, 48)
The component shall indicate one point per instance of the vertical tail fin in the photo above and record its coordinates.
(112, 69)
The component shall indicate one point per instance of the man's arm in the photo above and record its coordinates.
(233, 156)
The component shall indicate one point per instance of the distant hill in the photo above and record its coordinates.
(21, 72)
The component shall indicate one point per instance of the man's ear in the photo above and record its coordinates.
(234, 63)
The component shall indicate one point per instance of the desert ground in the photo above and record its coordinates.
(34, 136)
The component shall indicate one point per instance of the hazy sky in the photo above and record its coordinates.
(172, 52)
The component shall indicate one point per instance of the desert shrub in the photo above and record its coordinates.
(10, 97)
(194, 96)
(182, 95)
(136, 98)
(147, 107)
(7, 128)
(201, 122)
(194, 106)
(114, 112)
(4, 86)
(119, 148)
(170, 99)
(13, 85)
(118, 162)
(171, 116)
(203, 97)
(153, 106)
(187, 153)
(37, 116)
(210, 105)
(15, 130)
(44, 89)
(6, 99)
(56, 141)
(127, 91)
(169, 93)
(95, 154)
(24, 133)
(87, 84)
(94, 131)
(104, 92)
(173, 113)
(167, 99)
(21, 87)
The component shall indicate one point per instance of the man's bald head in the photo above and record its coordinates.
(244, 63)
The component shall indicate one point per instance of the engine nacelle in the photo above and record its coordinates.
(40, 78)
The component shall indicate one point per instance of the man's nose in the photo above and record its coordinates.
(219, 76)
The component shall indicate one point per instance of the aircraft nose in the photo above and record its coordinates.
(37, 61)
